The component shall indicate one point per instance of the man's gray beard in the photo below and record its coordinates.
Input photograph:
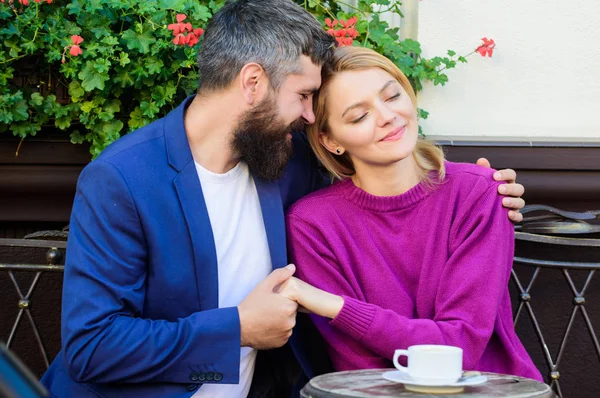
(261, 140)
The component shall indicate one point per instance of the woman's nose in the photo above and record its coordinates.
(386, 115)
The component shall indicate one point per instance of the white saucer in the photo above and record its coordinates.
(427, 387)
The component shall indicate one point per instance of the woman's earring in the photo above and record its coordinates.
(338, 151)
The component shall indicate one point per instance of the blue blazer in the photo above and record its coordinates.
(139, 308)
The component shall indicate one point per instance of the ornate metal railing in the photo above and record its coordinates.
(569, 233)
(55, 244)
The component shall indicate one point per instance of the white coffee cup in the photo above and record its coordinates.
(431, 364)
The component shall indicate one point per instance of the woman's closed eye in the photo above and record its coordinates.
(394, 97)
(359, 119)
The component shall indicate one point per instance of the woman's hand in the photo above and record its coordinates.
(511, 189)
(311, 298)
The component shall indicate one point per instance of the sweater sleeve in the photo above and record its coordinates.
(474, 281)
(317, 264)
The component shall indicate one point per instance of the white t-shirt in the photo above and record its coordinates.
(242, 254)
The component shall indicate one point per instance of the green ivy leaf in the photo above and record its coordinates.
(87, 106)
(50, 104)
(76, 137)
(137, 41)
(124, 59)
(91, 78)
(75, 90)
(149, 108)
(6, 116)
(175, 5)
(451, 53)
(19, 110)
(136, 119)
(110, 41)
(101, 31)
(112, 129)
(69, 69)
(29, 47)
(63, 122)
(154, 65)
(36, 99)
(124, 78)
(25, 129)
(6, 75)
(200, 13)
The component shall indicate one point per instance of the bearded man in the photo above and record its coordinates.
(177, 235)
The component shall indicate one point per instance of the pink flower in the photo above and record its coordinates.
(487, 48)
(75, 50)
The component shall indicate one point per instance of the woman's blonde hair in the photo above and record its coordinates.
(428, 156)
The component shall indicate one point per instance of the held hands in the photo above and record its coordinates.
(511, 189)
(310, 298)
(267, 318)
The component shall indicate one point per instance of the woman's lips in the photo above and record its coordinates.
(394, 135)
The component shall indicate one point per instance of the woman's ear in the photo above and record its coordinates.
(253, 83)
(330, 144)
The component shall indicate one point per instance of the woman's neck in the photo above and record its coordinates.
(389, 180)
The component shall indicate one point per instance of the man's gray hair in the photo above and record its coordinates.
(272, 33)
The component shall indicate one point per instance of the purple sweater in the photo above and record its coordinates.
(430, 266)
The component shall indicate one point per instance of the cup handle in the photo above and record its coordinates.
(397, 355)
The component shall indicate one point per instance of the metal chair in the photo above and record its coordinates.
(32, 246)
(566, 238)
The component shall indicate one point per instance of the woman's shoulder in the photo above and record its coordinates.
(315, 204)
(469, 176)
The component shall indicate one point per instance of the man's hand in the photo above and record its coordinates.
(267, 318)
(511, 189)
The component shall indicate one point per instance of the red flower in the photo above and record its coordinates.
(487, 48)
(24, 2)
(330, 23)
(345, 35)
(76, 39)
(75, 50)
(192, 40)
(180, 39)
(180, 27)
(344, 41)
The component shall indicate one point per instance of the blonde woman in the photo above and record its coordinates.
(406, 248)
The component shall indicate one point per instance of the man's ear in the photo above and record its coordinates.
(330, 144)
(253, 83)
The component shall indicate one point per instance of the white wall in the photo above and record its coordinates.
(542, 81)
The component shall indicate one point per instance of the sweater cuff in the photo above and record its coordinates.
(355, 318)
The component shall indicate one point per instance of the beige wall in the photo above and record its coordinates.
(542, 81)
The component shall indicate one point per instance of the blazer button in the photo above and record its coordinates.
(210, 376)
(218, 376)
(201, 376)
(193, 376)
(192, 387)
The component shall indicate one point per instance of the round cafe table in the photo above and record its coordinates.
(370, 383)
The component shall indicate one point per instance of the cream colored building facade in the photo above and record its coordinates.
(542, 82)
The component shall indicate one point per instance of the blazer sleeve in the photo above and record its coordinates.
(104, 336)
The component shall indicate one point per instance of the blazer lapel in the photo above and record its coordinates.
(272, 212)
(190, 195)
(188, 188)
